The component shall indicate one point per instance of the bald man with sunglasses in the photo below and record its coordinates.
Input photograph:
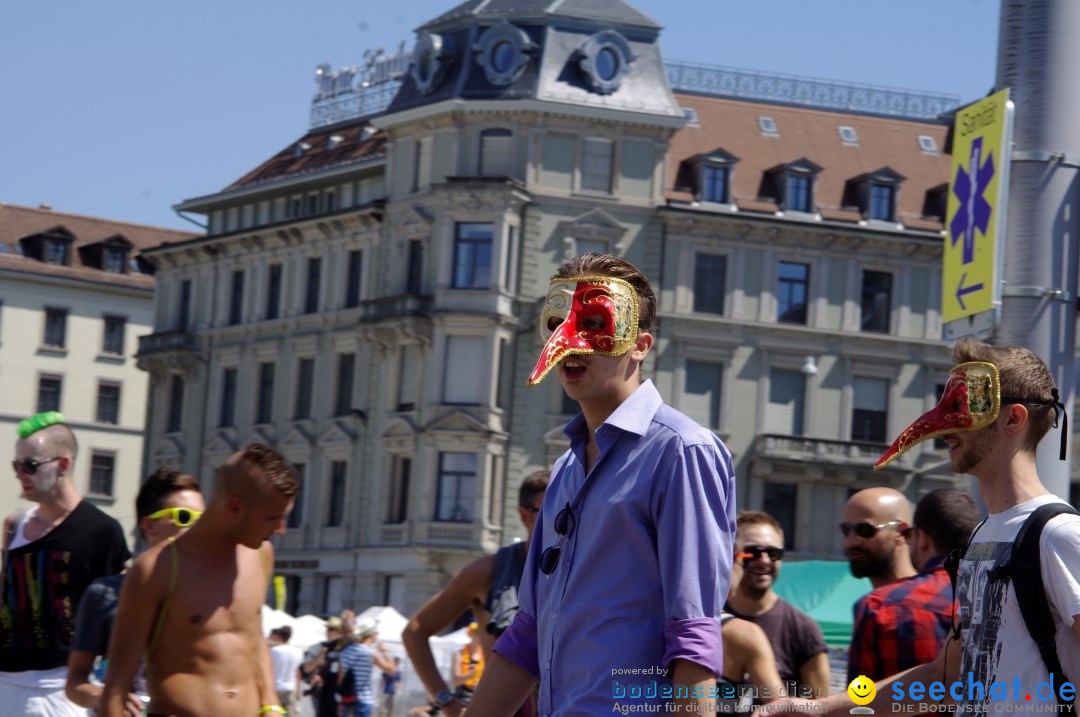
(168, 503)
(52, 552)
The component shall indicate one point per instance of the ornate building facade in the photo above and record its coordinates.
(366, 299)
(75, 293)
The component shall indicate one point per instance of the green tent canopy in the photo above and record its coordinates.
(826, 591)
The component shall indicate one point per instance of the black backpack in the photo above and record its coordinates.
(1024, 569)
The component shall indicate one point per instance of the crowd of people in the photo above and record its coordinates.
(639, 580)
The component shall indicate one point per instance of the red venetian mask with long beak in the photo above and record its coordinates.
(585, 315)
(971, 401)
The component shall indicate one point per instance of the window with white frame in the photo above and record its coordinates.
(108, 402)
(102, 471)
(715, 183)
(457, 487)
(264, 407)
(780, 501)
(784, 409)
(870, 409)
(464, 381)
(472, 255)
(597, 157)
(305, 384)
(496, 153)
(701, 392)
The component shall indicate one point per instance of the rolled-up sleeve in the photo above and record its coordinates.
(695, 528)
(518, 644)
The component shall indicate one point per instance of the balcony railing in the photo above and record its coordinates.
(454, 535)
(174, 340)
(392, 306)
(819, 450)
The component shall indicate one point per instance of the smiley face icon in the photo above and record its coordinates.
(862, 690)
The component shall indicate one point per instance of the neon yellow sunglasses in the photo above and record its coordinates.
(181, 517)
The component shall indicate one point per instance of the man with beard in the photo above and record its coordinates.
(875, 523)
(801, 656)
(999, 403)
(905, 622)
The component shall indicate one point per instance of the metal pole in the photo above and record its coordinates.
(1037, 57)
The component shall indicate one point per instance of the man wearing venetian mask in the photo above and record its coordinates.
(631, 559)
(999, 402)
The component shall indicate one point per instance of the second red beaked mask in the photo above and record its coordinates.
(971, 401)
(586, 315)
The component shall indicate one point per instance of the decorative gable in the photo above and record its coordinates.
(223, 444)
(296, 438)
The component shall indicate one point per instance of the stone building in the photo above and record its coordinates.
(75, 293)
(366, 299)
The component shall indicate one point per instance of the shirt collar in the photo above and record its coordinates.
(938, 561)
(633, 415)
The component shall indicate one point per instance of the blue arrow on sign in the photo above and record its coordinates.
(962, 291)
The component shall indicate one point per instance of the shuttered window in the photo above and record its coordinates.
(465, 376)
(701, 392)
(784, 412)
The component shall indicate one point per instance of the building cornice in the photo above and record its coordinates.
(545, 107)
(78, 282)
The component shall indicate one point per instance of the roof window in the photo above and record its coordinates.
(300, 148)
(334, 140)
(848, 135)
(928, 144)
(690, 115)
(768, 126)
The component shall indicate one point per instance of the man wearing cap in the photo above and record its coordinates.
(323, 664)
(52, 552)
(358, 659)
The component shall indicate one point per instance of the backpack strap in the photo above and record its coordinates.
(1025, 569)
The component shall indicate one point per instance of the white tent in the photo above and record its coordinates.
(309, 630)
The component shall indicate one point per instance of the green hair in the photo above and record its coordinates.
(29, 426)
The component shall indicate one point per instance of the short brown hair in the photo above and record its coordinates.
(948, 516)
(158, 486)
(534, 484)
(277, 471)
(593, 264)
(1023, 375)
(746, 518)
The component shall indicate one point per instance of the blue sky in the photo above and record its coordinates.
(121, 108)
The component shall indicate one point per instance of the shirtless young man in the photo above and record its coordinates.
(193, 606)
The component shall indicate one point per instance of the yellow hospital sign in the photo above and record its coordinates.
(973, 227)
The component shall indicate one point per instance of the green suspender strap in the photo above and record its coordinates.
(174, 569)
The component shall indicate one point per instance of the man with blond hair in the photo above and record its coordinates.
(193, 605)
(52, 552)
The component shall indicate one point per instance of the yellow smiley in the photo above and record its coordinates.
(862, 690)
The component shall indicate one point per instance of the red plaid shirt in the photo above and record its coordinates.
(902, 624)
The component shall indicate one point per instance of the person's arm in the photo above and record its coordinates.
(503, 688)
(699, 680)
(465, 590)
(753, 653)
(891, 695)
(694, 520)
(140, 599)
(381, 660)
(815, 674)
(268, 696)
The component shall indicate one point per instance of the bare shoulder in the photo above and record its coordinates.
(476, 577)
(744, 633)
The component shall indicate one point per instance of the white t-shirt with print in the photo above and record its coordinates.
(997, 644)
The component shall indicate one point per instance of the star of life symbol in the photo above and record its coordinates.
(974, 211)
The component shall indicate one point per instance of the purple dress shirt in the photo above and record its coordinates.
(644, 574)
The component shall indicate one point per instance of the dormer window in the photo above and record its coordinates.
(57, 251)
(714, 176)
(883, 202)
(115, 260)
(877, 192)
(793, 185)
